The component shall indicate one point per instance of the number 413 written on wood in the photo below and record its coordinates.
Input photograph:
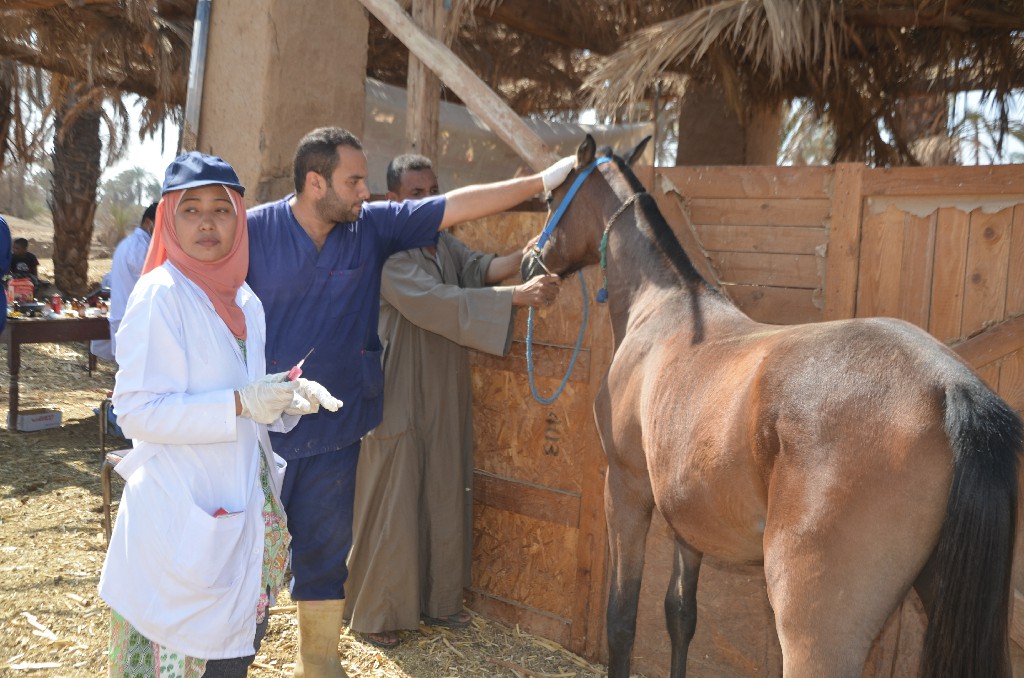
(552, 434)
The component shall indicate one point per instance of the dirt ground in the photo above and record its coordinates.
(52, 547)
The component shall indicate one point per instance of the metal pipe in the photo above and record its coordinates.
(657, 123)
(196, 71)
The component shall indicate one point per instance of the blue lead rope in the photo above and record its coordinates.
(541, 241)
(575, 352)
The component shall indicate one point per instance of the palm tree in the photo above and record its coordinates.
(975, 136)
(77, 150)
(92, 53)
(25, 127)
(133, 186)
(78, 112)
(122, 200)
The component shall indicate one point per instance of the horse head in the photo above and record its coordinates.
(578, 210)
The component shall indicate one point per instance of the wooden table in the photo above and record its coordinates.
(41, 331)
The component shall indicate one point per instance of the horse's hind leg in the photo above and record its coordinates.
(839, 561)
(681, 604)
(629, 517)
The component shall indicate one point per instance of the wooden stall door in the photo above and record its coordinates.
(539, 533)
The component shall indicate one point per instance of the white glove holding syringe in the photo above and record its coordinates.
(311, 392)
(267, 398)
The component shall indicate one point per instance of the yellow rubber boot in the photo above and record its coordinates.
(319, 634)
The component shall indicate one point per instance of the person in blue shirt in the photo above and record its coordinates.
(315, 262)
(5, 262)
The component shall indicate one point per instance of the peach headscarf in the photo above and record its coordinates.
(219, 279)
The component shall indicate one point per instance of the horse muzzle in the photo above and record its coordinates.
(531, 266)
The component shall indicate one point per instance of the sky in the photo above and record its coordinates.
(1013, 148)
(147, 153)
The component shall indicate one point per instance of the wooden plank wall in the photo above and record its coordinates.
(763, 231)
(944, 249)
(539, 534)
(940, 247)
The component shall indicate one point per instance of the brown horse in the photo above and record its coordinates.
(854, 459)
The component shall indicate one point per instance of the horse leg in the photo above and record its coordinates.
(839, 560)
(826, 624)
(628, 522)
(831, 598)
(681, 604)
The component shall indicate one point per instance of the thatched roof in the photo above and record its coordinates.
(535, 53)
(105, 47)
(139, 46)
(855, 60)
(858, 61)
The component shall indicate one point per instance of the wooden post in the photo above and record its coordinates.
(843, 253)
(423, 87)
(473, 91)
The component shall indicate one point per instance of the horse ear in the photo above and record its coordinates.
(585, 153)
(638, 151)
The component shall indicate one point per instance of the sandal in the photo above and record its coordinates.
(458, 620)
(384, 639)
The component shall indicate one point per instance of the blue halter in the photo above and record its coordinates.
(557, 216)
(544, 235)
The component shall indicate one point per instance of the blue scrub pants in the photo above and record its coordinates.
(239, 666)
(318, 495)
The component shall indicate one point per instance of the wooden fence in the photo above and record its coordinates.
(940, 247)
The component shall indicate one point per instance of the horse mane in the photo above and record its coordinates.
(654, 226)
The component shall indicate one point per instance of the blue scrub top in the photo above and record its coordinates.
(330, 301)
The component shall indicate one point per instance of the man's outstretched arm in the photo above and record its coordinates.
(482, 200)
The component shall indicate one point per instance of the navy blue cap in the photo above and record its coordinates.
(199, 169)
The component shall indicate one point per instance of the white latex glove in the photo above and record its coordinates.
(265, 399)
(300, 406)
(556, 174)
(316, 394)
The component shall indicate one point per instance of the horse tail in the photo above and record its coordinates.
(968, 627)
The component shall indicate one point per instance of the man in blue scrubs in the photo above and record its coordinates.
(315, 262)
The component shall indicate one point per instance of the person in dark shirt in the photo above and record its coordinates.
(24, 264)
(5, 260)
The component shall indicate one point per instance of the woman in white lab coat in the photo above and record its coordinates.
(199, 548)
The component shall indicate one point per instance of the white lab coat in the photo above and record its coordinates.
(104, 348)
(125, 270)
(181, 577)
